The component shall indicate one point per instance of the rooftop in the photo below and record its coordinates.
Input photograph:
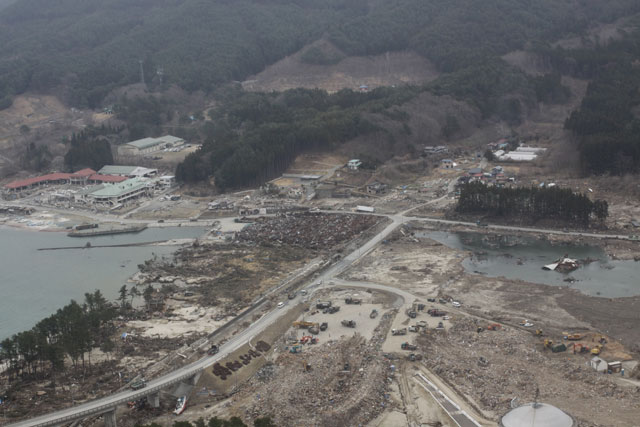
(115, 190)
(145, 143)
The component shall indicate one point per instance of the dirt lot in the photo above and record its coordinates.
(427, 269)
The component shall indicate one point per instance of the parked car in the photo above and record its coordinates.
(280, 304)
(213, 350)
(456, 304)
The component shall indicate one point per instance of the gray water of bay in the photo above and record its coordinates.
(34, 284)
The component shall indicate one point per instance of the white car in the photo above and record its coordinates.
(456, 304)
(280, 304)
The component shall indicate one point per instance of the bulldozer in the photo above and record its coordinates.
(572, 337)
(539, 332)
(548, 343)
(597, 349)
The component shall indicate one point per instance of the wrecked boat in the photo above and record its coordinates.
(563, 265)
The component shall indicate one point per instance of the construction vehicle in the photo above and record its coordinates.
(539, 332)
(572, 337)
(304, 325)
(412, 314)
(580, 348)
(374, 314)
(494, 327)
(332, 309)
(324, 326)
(296, 349)
(349, 300)
(407, 346)
(413, 357)
(548, 343)
(314, 330)
(422, 324)
(323, 304)
(349, 323)
(597, 349)
(402, 331)
(558, 348)
(305, 339)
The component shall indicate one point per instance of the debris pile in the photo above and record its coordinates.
(307, 230)
(494, 366)
(339, 383)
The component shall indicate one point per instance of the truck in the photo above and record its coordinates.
(138, 384)
(402, 331)
(349, 300)
(434, 312)
(412, 314)
(324, 326)
(407, 346)
(349, 323)
(323, 304)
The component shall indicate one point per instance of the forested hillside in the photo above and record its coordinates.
(89, 47)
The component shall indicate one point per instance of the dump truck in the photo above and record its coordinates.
(573, 337)
(374, 314)
(349, 300)
(407, 346)
(349, 323)
(434, 312)
(402, 331)
(304, 325)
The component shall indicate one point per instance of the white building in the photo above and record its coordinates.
(354, 164)
(149, 145)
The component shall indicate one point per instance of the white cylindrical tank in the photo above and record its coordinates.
(537, 415)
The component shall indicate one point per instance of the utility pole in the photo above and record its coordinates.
(141, 62)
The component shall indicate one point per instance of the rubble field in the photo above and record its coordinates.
(493, 367)
(329, 392)
(307, 230)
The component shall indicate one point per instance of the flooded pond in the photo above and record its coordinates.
(518, 257)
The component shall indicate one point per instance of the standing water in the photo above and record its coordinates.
(516, 257)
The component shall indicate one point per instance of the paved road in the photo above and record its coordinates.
(106, 404)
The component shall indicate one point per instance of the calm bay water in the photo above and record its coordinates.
(522, 258)
(34, 284)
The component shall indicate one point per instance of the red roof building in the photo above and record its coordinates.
(81, 177)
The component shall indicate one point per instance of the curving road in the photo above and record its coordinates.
(108, 403)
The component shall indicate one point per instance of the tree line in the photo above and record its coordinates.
(74, 331)
(531, 203)
(90, 47)
(90, 148)
(253, 137)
